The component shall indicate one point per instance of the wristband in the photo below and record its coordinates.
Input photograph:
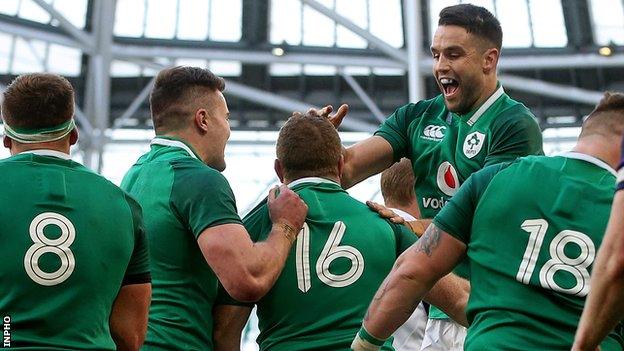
(365, 342)
(289, 232)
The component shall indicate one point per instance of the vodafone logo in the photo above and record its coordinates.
(433, 132)
(447, 178)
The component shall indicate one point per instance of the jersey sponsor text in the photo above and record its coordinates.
(434, 202)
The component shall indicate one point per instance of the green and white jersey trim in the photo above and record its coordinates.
(312, 180)
(590, 159)
(173, 143)
(620, 176)
(48, 152)
(486, 105)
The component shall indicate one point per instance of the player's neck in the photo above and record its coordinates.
(601, 147)
(60, 146)
(489, 88)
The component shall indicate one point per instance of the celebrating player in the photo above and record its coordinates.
(472, 124)
(72, 278)
(529, 239)
(195, 234)
(342, 254)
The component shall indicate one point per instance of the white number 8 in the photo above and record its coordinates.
(43, 245)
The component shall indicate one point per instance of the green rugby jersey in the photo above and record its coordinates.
(339, 260)
(532, 229)
(446, 148)
(63, 258)
(181, 196)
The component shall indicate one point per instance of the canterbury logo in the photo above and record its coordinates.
(434, 132)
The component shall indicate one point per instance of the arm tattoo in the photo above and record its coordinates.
(429, 241)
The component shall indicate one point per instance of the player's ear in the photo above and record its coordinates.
(340, 166)
(73, 136)
(490, 60)
(202, 120)
(279, 170)
(7, 142)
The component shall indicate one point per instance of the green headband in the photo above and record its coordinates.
(40, 135)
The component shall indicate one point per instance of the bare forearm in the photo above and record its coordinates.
(450, 294)
(269, 256)
(394, 303)
(364, 159)
(604, 307)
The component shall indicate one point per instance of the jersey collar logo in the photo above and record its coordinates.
(447, 178)
(473, 144)
(433, 132)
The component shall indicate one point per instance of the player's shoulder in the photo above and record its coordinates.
(510, 110)
(417, 109)
(193, 172)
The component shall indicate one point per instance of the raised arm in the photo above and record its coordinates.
(229, 322)
(605, 303)
(413, 275)
(364, 159)
(247, 270)
(128, 319)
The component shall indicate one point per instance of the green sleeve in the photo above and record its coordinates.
(514, 137)
(202, 198)
(456, 216)
(258, 225)
(395, 128)
(138, 270)
(404, 237)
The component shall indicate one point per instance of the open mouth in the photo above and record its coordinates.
(449, 86)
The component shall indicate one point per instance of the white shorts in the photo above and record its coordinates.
(443, 335)
(409, 336)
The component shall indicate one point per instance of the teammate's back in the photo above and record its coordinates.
(75, 272)
(341, 257)
(548, 236)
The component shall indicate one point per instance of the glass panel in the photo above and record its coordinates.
(225, 68)
(285, 22)
(31, 11)
(386, 21)
(6, 45)
(192, 62)
(74, 10)
(548, 24)
(160, 23)
(356, 11)
(225, 20)
(193, 19)
(124, 69)
(608, 21)
(29, 56)
(318, 29)
(9, 7)
(319, 70)
(129, 18)
(64, 60)
(514, 18)
(285, 69)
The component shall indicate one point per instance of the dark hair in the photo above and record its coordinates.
(608, 116)
(397, 183)
(474, 19)
(173, 90)
(38, 100)
(308, 146)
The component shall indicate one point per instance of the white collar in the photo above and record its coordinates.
(486, 105)
(173, 143)
(590, 159)
(406, 216)
(311, 180)
(48, 152)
